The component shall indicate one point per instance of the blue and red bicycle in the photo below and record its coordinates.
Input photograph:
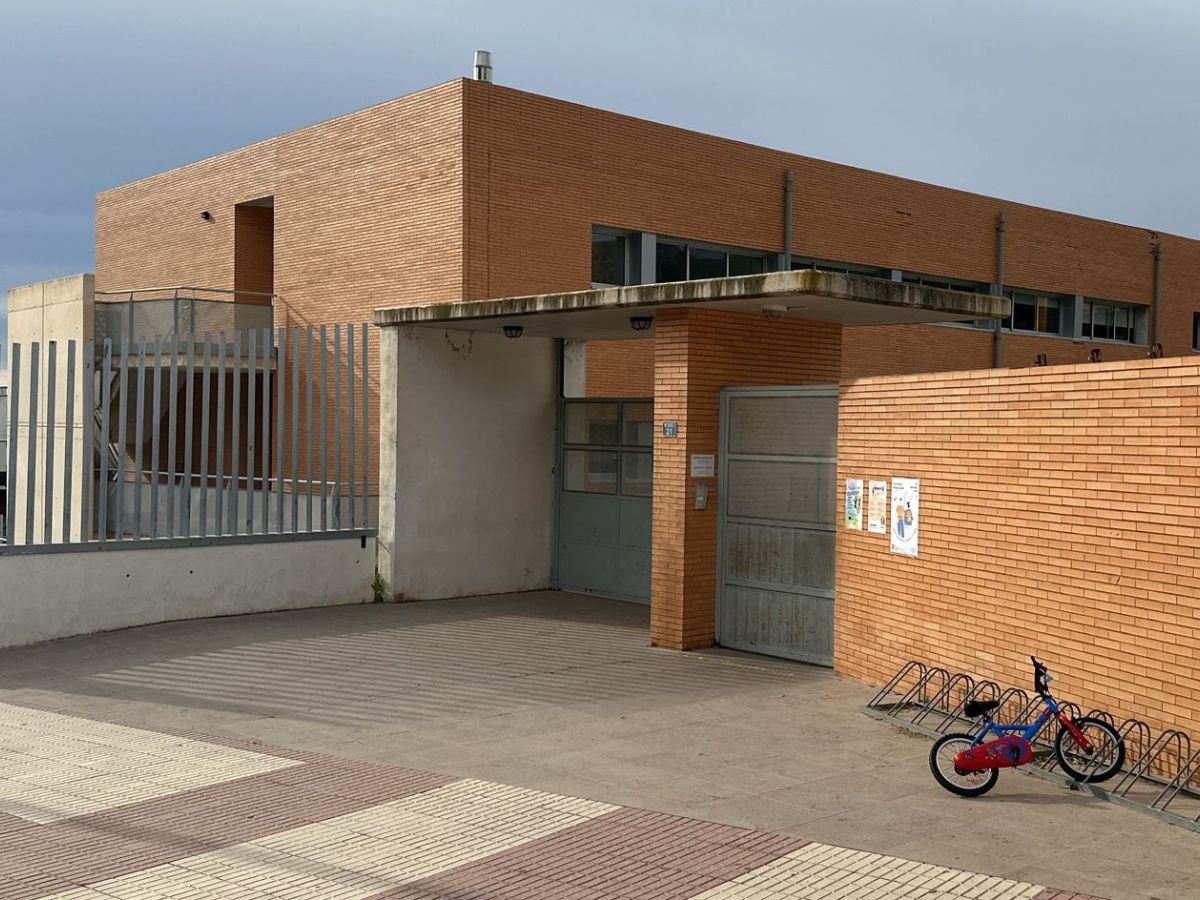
(1088, 749)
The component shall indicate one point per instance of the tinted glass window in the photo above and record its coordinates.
(1048, 315)
(1024, 315)
(608, 258)
(707, 263)
(670, 263)
(740, 264)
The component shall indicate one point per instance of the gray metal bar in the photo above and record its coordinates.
(1157, 295)
(69, 443)
(35, 349)
(139, 432)
(308, 425)
(998, 327)
(48, 485)
(172, 427)
(175, 316)
(324, 457)
(280, 392)
(205, 405)
(14, 400)
(188, 418)
(251, 397)
(155, 420)
(105, 404)
(122, 440)
(266, 430)
(88, 422)
(295, 428)
(338, 413)
(234, 449)
(366, 436)
(219, 468)
(350, 426)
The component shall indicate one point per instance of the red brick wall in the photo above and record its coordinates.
(620, 368)
(368, 213)
(697, 352)
(1060, 510)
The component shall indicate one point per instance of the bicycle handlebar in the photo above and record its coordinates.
(1041, 677)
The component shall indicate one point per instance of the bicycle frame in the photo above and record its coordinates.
(1029, 730)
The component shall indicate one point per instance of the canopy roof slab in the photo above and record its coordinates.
(605, 313)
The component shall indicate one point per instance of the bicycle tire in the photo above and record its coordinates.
(962, 789)
(1067, 752)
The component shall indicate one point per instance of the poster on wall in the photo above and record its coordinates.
(906, 515)
(877, 507)
(854, 500)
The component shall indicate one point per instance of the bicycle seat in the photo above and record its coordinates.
(976, 708)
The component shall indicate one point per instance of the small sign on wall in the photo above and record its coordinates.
(704, 465)
(906, 515)
(877, 511)
(854, 488)
(670, 429)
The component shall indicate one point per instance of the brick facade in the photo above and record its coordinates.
(697, 352)
(1060, 517)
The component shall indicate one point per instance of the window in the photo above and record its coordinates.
(670, 262)
(1037, 313)
(609, 258)
(1105, 321)
(686, 261)
(609, 447)
(824, 265)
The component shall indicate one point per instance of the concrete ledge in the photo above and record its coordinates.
(55, 595)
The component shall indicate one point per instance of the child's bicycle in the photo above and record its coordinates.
(1088, 749)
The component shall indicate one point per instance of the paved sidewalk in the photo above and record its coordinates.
(561, 694)
(96, 811)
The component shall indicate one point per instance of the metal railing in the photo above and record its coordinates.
(1161, 774)
(173, 313)
(253, 432)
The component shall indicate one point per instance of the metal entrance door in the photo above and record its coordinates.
(778, 518)
(604, 509)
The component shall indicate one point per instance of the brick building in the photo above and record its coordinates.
(468, 190)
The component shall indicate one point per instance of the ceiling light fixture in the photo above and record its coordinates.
(513, 331)
(641, 323)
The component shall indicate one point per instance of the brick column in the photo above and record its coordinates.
(696, 353)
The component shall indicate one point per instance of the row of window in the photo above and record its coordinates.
(681, 260)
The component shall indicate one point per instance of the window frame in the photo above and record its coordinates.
(622, 448)
(625, 237)
(1137, 313)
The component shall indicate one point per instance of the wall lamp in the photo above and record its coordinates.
(206, 216)
(513, 331)
(1156, 351)
(641, 323)
(1040, 360)
(1094, 356)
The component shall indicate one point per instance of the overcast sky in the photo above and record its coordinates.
(1092, 106)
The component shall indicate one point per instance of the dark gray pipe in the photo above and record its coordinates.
(787, 221)
(998, 327)
(1157, 291)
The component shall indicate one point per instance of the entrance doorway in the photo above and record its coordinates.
(604, 507)
(778, 521)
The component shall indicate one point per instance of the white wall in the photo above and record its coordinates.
(467, 455)
(60, 310)
(57, 594)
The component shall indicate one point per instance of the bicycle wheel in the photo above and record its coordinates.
(1105, 759)
(965, 784)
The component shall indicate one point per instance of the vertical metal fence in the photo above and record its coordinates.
(262, 431)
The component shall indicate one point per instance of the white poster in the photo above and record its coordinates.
(906, 515)
(877, 511)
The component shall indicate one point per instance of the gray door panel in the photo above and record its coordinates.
(778, 517)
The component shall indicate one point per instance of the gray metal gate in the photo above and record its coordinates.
(778, 471)
(604, 512)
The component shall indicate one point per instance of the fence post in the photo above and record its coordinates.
(88, 416)
(337, 426)
(219, 469)
(122, 434)
(48, 476)
(155, 423)
(351, 432)
(251, 397)
(14, 400)
(235, 452)
(105, 413)
(324, 449)
(69, 457)
(31, 451)
(266, 430)
(139, 431)
(205, 403)
(366, 437)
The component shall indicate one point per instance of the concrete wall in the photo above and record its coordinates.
(59, 310)
(1060, 517)
(467, 457)
(57, 594)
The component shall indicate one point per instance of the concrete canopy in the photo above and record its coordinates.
(604, 314)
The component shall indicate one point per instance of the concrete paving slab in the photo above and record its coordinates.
(561, 693)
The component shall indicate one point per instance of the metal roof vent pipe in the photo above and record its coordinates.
(483, 65)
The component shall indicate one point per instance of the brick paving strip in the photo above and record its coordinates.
(94, 811)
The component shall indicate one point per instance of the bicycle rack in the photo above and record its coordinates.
(1161, 775)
